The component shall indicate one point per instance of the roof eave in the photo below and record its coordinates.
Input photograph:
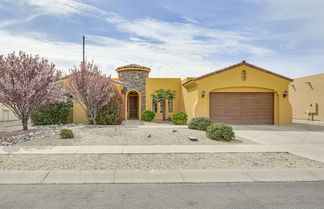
(240, 64)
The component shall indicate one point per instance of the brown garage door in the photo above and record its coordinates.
(242, 108)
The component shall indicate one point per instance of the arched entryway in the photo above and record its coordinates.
(133, 104)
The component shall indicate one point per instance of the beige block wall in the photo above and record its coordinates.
(6, 114)
(305, 91)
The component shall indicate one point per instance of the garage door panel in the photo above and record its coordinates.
(242, 107)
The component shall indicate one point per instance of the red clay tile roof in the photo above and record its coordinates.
(234, 66)
(132, 66)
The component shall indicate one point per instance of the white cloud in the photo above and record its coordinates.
(61, 7)
(112, 53)
(171, 49)
(181, 38)
(11, 22)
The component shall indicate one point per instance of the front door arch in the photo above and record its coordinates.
(133, 104)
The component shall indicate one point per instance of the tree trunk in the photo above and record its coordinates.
(163, 110)
(94, 119)
(25, 122)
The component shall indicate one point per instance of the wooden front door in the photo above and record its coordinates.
(242, 107)
(133, 107)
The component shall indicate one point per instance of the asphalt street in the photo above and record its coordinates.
(294, 195)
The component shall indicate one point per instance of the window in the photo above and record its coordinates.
(170, 105)
(154, 106)
(161, 107)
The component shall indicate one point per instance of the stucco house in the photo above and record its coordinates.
(239, 94)
(306, 95)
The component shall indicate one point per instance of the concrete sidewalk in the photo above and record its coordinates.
(311, 151)
(157, 176)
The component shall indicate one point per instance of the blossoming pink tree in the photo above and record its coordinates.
(26, 82)
(90, 88)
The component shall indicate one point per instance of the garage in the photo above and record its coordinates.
(242, 107)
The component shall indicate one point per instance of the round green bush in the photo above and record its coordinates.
(55, 113)
(112, 113)
(220, 131)
(179, 118)
(148, 115)
(66, 133)
(200, 123)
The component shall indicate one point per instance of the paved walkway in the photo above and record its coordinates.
(309, 122)
(311, 151)
(157, 176)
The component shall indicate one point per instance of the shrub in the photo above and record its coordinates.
(148, 115)
(55, 113)
(112, 113)
(220, 131)
(66, 133)
(180, 118)
(200, 123)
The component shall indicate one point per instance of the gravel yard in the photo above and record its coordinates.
(156, 161)
(122, 135)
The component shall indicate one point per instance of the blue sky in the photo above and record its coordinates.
(176, 38)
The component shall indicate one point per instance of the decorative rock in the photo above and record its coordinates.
(193, 138)
(42, 132)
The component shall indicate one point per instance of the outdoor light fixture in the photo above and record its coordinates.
(203, 93)
(285, 94)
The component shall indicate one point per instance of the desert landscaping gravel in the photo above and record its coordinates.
(121, 135)
(156, 161)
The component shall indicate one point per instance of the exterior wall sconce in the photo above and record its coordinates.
(203, 94)
(285, 94)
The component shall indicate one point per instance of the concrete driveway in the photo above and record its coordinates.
(282, 135)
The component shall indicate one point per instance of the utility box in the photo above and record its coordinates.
(313, 108)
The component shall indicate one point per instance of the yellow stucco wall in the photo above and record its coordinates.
(302, 94)
(79, 114)
(153, 84)
(188, 97)
(231, 81)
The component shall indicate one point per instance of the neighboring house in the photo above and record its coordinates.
(6, 114)
(239, 94)
(306, 95)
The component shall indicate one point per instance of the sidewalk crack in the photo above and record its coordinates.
(45, 177)
(305, 138)
(78, 150)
